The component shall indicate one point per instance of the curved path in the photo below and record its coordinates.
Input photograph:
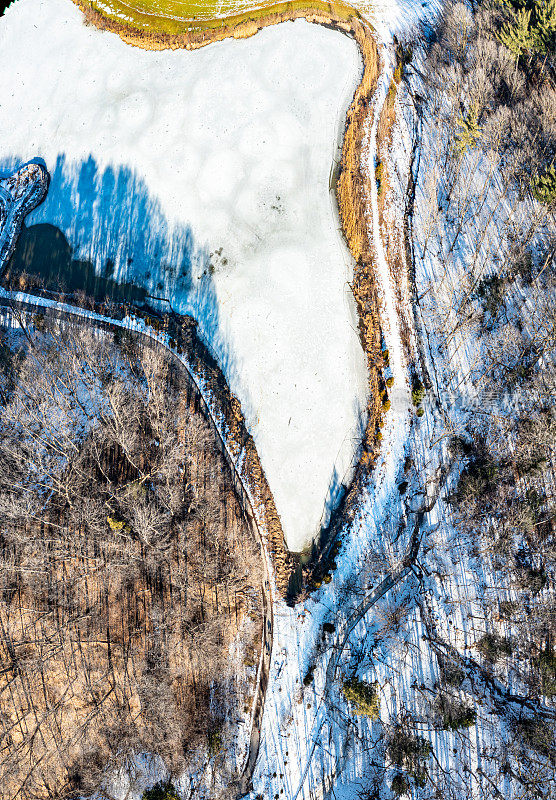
(30, 304)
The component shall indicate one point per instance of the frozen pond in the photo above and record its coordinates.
(204, 177)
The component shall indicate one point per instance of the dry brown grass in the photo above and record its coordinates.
(199, 37)
(110, 642)
(352, 205)
(392, 235)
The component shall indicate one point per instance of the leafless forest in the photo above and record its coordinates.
(494, 98)
(485, 97)
(127, 567)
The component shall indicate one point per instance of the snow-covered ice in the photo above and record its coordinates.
(205, 175)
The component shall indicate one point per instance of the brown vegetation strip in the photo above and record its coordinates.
(352, 202)
(394, 240)
(195, 38)
(352, 198)
(225, 405)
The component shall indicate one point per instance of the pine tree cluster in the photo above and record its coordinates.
(544, 186)
(530, 27)
(469, 131)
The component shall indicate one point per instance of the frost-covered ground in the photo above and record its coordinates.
(312, 745)
(400, 18)
(419, 643)
(308, 742)
(205, 175)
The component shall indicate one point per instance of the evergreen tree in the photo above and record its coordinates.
(514, 5)
(516, 33)
(470, 131)
(545, 26)
(363, 697)
(544, 186)
(163, 790)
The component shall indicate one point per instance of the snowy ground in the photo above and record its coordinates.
(400, 18)
(316, 746)
(205, 175)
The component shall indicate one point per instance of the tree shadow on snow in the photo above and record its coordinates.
(339, 485)
(103, 232)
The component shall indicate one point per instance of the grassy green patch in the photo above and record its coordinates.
(175, 17)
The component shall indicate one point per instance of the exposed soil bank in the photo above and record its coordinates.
(198, 33)
(351, 198)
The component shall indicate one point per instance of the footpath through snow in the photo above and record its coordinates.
(303, 742)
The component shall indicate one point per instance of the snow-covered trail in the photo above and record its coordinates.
(289, 727)
(398, 419)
